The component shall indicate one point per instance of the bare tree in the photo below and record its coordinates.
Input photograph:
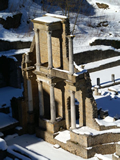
(69, 8)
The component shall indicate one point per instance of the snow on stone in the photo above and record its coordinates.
(56, 146)
(116, 155)
(102, 157)
(14, 52)
(89, 131)
(8, 137)
(4, 15)
(40, 147)
(63, 136)
(108, 121)
(23, 153)
(100, 62)
(18, 128)
(6, 120)
(3, 145)
(92, 48)
(56, 15)
(47, 19)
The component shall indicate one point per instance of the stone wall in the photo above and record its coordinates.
(7, 45)
(10, 73)
(92, 56)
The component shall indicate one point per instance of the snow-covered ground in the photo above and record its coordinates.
(43, 148)
(85, 29)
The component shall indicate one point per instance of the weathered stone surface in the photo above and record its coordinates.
(118, 149)
(106, 42)
(92, 56)
(7, 45)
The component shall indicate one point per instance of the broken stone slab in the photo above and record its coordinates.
(57, 146)
(113, 90)
(11, 21)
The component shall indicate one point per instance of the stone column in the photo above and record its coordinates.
(52, 103)
(96, 90)
(41, 102)
(37, 43)
(98, 81)
(27, 58)
(73, 110)
(50, 61)
(30, 98)
(19, 76)
(112, 77)
(71, 67)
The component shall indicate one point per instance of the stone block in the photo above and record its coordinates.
(115, 157)
(51, 127)
(118, 149)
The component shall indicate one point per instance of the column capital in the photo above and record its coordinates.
(52, 84)
(49, 32)
(70, 36)
(36, 30)
(39, 81)
(72, 91)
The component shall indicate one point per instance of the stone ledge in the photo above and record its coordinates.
(51, 127)
(93, 140)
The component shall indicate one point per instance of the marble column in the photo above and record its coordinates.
(73, 110)
(30, 98)
(41, 102)
(27, 57)
(37, 43)
(112, 77)
(52, 103)
(50, 61)
(71, 67)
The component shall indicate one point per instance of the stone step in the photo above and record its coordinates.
(8, 124)
(102, 64)
(9, 45)
(95, 54)
(10, 20)
(17, 53)
(106, 42)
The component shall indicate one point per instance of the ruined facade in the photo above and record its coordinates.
(51, 85)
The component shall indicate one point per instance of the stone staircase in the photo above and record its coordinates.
(106, 57)
(11, 20)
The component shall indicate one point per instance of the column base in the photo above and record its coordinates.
(52, 127)
(30, 117)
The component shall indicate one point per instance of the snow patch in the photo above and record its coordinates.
(3, 145)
